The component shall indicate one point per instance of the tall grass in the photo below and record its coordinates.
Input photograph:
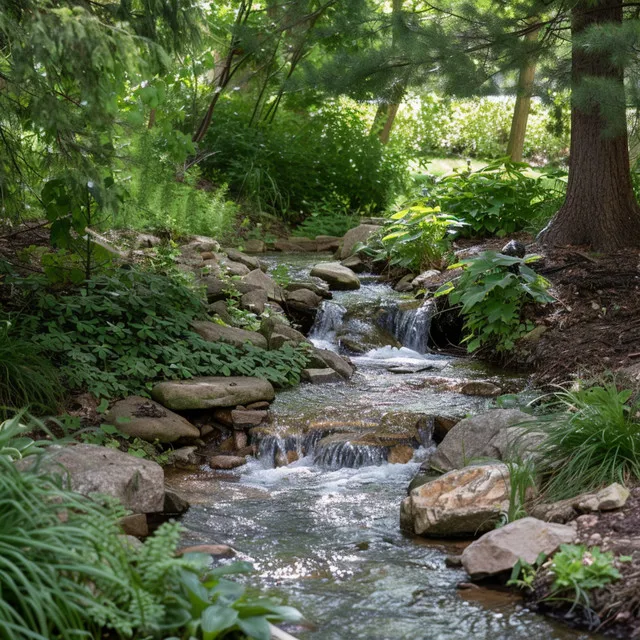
(593, 439)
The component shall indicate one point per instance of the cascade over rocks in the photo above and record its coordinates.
(212, 391)
(473, 438)
(338, 277)
(145, 419)
(463, 502)
(213, 332)
(499, 550)
(136, 482)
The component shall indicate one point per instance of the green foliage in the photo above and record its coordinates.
(121, 334)
(281, 274)
(301, 164)
(162, 198)
(523, 574)
(592, 440)
(493, 291)
(579, 570)
(328, 218)
(417, 238)
(479, 127)
(27, 377)
(499, 199)
(522, 479)
(77, 577)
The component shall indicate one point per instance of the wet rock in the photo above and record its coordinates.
(460, 503)
(405, 283)
(608, 499)
(338, 277)
(136, 482)
(174, 503)
(250, 262)
(184, 456)
(135, 525)
(470, 439)
(354, 237)
(292, 456)
(255, 246)
(217, 550)
(213, 332)
(318, 287)
(245, 419)
(254, 301)
(355, 263)
(498, 551)
(400, 454)
(425, 279)
(480, 388)
(414, 426)
(325, 358)
(145, 419)
(320, 376)
(212, 392)
(226, 462)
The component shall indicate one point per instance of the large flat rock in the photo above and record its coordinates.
(145, 419)
(213, 332)
(212, 391)
(336, 276)
(136, 482)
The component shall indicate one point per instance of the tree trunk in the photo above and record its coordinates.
(600, 209)
(515, 147)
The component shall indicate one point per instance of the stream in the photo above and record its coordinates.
(323, 531)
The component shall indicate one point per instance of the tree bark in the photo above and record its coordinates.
(600, 209)
(515, 147)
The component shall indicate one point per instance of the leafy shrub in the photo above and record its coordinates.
(416, 238)
(498, 199)
(121, 334)
(479, 127)
(27, 378)
(161, 200)
(298, 163)
(492, 291)
(76, 576)
(328, 218)
(592, 439)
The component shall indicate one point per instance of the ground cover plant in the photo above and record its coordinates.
(492, 293)
(67, 572)
(120, 333)
(592, 440)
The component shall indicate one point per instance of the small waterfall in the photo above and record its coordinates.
(339, 455)
(273, 449)
(410, 326)
(328, 321)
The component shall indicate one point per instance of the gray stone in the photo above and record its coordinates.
(470, 439)
(184, 455)
(227, 462)
(174, 503)
(480, 388)
(255, 246)
(355, 263)
(138, 483)
(247, 418)
(318, 287)
(145, 419)
(303, 298)
(425, 279)
(235, 268)
(220, 309)
(338, 277)
(354, 237)
(320, 376)
(499, 550)
(328, 243)
(265, 282)
(277, 333)
(460, 503)
(203, 243)
(135, 525)
(211, 392)
(336, 362)
(250, 262)
(213, 332)
(254, 301)
(217, 289)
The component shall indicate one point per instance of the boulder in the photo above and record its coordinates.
(355, 263)
(184, 456)
(218, 550)
(266, 283)
(328, 243)
(480, 388)
(145, 419)
(334, 361)
(320, 376)
(425, 279)
(135, 525)
(213, 332)
(254, 301)
(306, 244)
(318, 287)
(608, 499)
(174, 503)
(255, 246)
(138, 483)
(354, 237)
(499, 550)
(471, 438)
(404, 284)
(246, 418)
(337, 276)
(220, 309)
(278, 333)
(216, 289)
(203, 243)
(227, 462)
(287, 246)
(211, 392)
(304, 298)
(400, 454)
(463, 502)
(235, 268)
(248, 261)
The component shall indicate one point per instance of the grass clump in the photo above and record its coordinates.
(592, 440)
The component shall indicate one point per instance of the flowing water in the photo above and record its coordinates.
(323, 531)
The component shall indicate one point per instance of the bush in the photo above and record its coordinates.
(299, 163)
(122, 333)
(479, 127)
(498, 199)
(592, 440)
(67, 572)
(27, 378)
(493, 291)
